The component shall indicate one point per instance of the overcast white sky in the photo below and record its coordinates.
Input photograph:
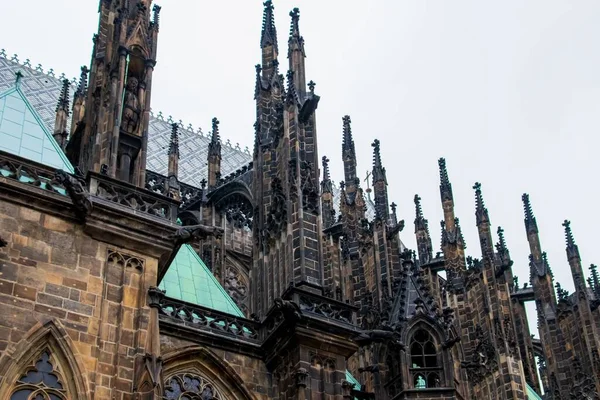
(508, 91)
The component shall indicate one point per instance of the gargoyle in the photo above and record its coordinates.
(291, 311)
(380, 336)
(185, 234)
(77, 192)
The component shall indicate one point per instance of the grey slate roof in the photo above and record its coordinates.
(42, 89)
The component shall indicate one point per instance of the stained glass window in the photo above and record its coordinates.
(41, 381)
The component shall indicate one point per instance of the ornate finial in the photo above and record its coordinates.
(326, 184)
(269, 33)
(347, 142)
(325, 168)
(82, 86)
(295, 14)
(501, 241)
(258, 85)
(311, 86)
(503, 254)
(214, 147)
(378, 170)
(215, 130)
(63, 98)
(461, 238)
(291, 94)
(156, 15)
(342, 185)
(481, 212)
(295, 42)
(562, 294)
(445, 186)
(18, 76)
(174, 143)
(418, 209)
(572, 249)
(393, 206)
(203, 183)
(530, 222)
(595, 278)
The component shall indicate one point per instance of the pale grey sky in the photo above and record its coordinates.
(508, 91)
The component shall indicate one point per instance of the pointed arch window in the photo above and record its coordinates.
(41, 381)
(191, 387)
(425, 368)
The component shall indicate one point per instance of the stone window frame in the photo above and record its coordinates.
(432, 369)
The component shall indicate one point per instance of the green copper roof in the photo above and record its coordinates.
(189, 279)
(531, 394)
(23, 133)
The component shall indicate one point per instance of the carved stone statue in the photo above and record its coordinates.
(421, 384)
(131, 107)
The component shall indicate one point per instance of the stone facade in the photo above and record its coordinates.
(335, 306)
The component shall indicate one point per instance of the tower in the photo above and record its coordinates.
(112, 135)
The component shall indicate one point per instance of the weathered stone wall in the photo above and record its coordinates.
(53, 272)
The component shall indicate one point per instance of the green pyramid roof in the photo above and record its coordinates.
(190, 280)
(23, 133)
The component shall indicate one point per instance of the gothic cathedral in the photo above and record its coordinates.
(135, 268)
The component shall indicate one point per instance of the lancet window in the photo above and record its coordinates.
(41, 381)
(425, 368)
(191, 387)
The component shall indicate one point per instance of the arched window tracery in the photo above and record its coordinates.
(41, 381)
(425, 368)
(191, 387)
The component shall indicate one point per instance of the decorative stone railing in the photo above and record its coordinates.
(157, 183)
(321, 306)
(132, 197)
(197, 317)
(29, 172)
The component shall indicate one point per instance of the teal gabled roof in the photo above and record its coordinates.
(190, 280)
(352, 379)
(23, 133)
(531, 394)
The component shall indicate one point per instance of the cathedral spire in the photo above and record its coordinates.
(268, 41)
(424, 246)
(296, 54)
(214, 155)
(62, 113)
(348, 153)
(530, 222)
(574, 258)
(481, 212)
(173, 171)
(379, 184)
(537, 259)
(79, 99)
(174, 142)
(446, 196)
(445, 185)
